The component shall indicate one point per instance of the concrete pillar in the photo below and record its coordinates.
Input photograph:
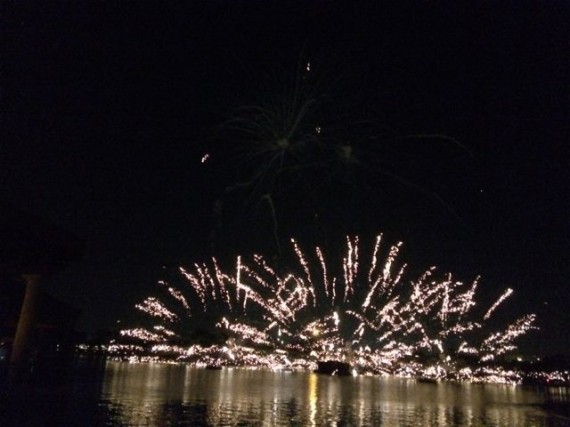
(24, 332)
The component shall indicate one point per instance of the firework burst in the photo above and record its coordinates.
(309, 134)
(362, 312)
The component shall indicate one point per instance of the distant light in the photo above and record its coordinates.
(205, 157)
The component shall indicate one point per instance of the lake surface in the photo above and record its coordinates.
(123, 394)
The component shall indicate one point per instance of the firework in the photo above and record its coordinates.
(307, 133)
(362, 312)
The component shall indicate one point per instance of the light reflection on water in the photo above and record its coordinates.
(163, 395)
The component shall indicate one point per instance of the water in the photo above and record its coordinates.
(122, 394)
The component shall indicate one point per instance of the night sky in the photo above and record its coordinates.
(108, 108)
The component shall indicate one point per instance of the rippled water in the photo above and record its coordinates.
(125, 394)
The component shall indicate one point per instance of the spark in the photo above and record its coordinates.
(505, 295)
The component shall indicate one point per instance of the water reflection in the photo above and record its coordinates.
(162, 395)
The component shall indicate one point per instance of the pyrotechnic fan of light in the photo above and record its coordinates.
(367, 317)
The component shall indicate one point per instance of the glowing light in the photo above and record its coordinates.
(292, 318)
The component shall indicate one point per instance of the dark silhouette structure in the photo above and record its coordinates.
(31, 251)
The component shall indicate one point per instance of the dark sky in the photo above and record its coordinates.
(108, 107)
